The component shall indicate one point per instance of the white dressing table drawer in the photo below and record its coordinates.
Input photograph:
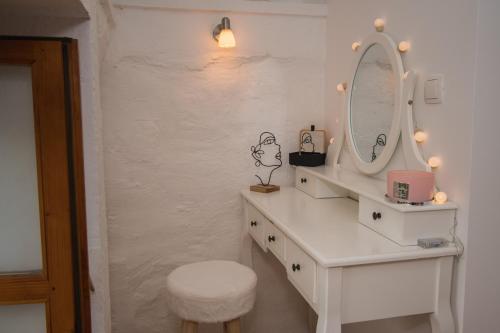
(257, 226)
(275, 241)
(301, 270)
(315, 187)
(405, 228)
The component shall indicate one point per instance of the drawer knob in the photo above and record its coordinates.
(376, 215)
(271, 238)
(253, 223)
(296, 267)
(303, 180)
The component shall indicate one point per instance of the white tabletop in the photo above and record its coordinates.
(328, 230)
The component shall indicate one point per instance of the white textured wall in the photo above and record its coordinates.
(94, 169)
(86, 31)
(180, 116)
(482, 293)
(442, 36)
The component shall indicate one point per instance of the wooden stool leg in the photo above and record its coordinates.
(189, 326)
(232, 326)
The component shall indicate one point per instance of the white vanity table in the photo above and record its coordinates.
(346, 271)
(356, 259)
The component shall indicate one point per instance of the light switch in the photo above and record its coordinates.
(433, 89)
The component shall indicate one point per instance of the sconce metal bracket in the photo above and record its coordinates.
(224, 24)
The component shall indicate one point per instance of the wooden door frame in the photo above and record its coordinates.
(75, 172)
(76, 166)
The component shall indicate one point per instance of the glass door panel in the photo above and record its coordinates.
(23, 318)
(20, 234)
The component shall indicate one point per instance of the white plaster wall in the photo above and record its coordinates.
(180, 116)
(86, 31)
(482, 293)
(442, 36)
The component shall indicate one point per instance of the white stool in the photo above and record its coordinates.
(211, 292)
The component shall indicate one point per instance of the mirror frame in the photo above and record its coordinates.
(392, 139)
(404, 112)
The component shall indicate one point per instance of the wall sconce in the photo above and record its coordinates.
(404, 46)
(223, 34)
(379, 24)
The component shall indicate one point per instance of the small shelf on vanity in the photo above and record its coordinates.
(404, 224)
(368, 187)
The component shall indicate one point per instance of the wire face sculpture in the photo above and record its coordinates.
(267, 154)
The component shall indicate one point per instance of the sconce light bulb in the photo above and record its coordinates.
(332, 140)
(434, 162)
(404, 46)
(341, 87)
(420, 136)
(379, 24)
(226, 39)
(355, 46)
(440, 198)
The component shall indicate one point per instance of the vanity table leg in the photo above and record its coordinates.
(329, 300)
(442, 318)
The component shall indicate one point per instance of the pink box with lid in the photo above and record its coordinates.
(410, 186)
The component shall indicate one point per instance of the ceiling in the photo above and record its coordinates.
(58, 8)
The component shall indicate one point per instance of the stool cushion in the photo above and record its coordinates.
(211, 291)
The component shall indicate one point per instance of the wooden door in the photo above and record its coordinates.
(43, 256)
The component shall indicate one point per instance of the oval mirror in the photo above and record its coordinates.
(372, 103)
(373, 124)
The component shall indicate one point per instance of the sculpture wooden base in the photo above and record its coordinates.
(264, 188)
